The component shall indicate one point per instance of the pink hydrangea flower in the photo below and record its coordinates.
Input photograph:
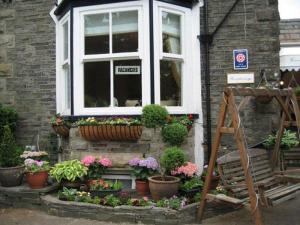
(189, 170)
(88, 160)
(105, 162)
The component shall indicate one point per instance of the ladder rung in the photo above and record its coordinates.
(227, 130)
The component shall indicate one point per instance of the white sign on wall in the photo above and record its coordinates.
(240, 78)
(125, 70)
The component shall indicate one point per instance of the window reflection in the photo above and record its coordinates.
(171, 32)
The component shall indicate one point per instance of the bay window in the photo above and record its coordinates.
(111, 70)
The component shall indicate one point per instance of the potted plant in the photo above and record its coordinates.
(110, 129)
(69, 173)
(190, 183)
(154, 116)
(96, 167)
(102, 188)
(186, 120)
(289, 140)
(142, 169)
(214, 179)
(11, 168)
(60, 126)
(174, 133)
(165, 185)
(36, 173)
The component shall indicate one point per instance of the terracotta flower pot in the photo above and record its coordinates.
(110, 132)
(142, 187)
(62, 130)
(37, 180)
(214, 181)
(163, 187)
(11, 176)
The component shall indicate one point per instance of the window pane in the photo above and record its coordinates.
(125, 31)
(170, 83)
(66, 40)
(127, 83)
(171, 32)
(96, 84)
(67, 84)
(96, 32)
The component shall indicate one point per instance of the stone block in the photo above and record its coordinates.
(7, 41)
(7, 14)
(3, 55)
(5, 69)
(267, 14)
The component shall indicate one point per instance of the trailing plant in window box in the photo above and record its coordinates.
(154, 116)
(174, 133)
(60, 126)
(111, 129)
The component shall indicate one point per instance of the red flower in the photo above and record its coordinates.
(190, 117)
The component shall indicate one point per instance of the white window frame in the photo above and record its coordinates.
(80, 58)
(190, 56)
(61, 97)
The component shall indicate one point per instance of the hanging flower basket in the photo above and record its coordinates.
(111, 129)
(62, 130)
(110, 132)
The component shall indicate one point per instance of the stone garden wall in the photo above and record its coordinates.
(150, 144)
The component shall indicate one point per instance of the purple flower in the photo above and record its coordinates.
(134, 162)
(149, 163)
(39, 163)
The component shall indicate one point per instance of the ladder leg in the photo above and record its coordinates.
(213, 157)
(245, 161)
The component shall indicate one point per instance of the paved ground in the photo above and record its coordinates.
(286, 214)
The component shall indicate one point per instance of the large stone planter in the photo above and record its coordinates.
(11, 176)
(110, 132)
(163, 187)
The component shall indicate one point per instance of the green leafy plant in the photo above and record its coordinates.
(68, 194)
(100, 185)
(288, 141)
(191, 184)
(9, 117)
(174, 133)
(34, 166)
(9, 151)
(186, 120)
(171, 159)
(154, 116)
(111, 200)
(68, 170)
(139, 202)
(172, 203)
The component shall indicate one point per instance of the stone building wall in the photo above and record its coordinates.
(27, 65)
(290, 31)
(150, 144)
(253, 26)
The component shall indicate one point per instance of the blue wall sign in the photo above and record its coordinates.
(240, 59)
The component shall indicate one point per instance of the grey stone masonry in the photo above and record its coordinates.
(253, 26)
(290, 31)
(27, 65)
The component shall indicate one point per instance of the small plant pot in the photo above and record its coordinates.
(142, 187)
(37, 180)
(11, 176)
(163, 186)
(104, 193)
(71, 184)
(62, 130)
(214, 182)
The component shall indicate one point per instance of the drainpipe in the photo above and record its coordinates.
(205, 40)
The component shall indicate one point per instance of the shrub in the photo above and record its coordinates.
(154, 116)
(288, 141)
(171, 159)
(174, 133)
(9, 151)
(8, 116)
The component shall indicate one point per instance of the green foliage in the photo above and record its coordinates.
(68, 170)
(142, 173)
(139, 202)
(288, 141)
(67, 194)
(171, 159)
(297, 90)
(154, 116)
(9, 117)
(174, 133)
(191, 184)
(184, 120)
(9, 151)
(111, 200)
(197, 197)
(172, 203)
